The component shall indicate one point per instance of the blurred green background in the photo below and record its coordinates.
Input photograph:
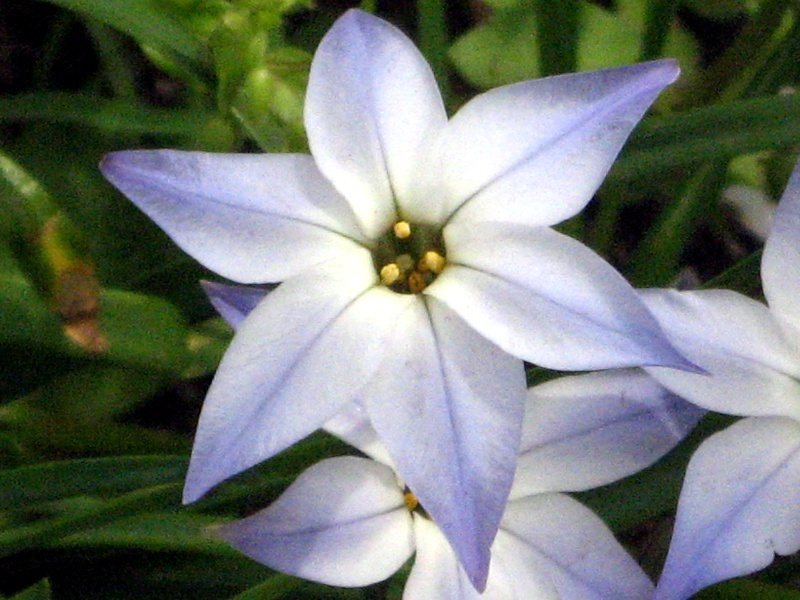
(107, 343)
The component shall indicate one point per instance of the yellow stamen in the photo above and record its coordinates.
(390, 273)
(402, 230)
(432, 262)
(411, 500)
(416, 282)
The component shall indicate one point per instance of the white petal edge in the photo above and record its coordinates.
(780, 264)
(569, 543)
(252, 218)
(547, 299)
(342, 522)
(751, 359)
(584, 431)
(372, 101)
(352, 425)
(448, 406)
(739, 506)
(288, 368)
(537, 151)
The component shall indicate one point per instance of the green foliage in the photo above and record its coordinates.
(103, 324)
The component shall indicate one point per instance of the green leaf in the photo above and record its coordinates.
(660, 145)
(17, 539)
(93, 476)
(658, 255)
(150, 22)
(120, 116)
(144, 332)
(38, 591)
(745, 589)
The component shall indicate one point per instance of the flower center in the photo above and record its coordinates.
(409, 257)
(412, 503)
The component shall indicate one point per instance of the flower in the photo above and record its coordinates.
(417, 264)
(740, 502)
(350, 521)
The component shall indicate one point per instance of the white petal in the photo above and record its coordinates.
(352, 425)
(290, 368)
(780, 265)
(535, 152)
(448, 406)
(233, 302)
(588, 430)
(436, 574)
(342, 522)
(568, 542)
(252, 218)
(753, 361)
(548, 299)
(739, 506)
(372, 101)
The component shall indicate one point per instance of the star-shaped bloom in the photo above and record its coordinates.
(417, 263)
(351, 521)
(740, 502)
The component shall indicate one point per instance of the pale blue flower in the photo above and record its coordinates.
(351, 521)
(740, 502)
(417, 263)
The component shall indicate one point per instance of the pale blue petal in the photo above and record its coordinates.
(448, 406)
(751, 359)
(252, 218)
(352, 425)
(585, 431)
(547, 299)
(566, 541)
(535, 152)
(437, 575)
(284, 374)
(372, 101)
(342, 522)
(739, 506)
(780, 265)
(233, 302)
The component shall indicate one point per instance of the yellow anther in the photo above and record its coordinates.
(432, 262)
(411, 500)
(416, 282)
(402, 230)
(390, 273)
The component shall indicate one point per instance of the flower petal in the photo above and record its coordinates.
(342, 522)
(752, 360)
(233, 302)
(547, 299)
(568, 542)
(780, 273)
(283, 375)
(585, 431)
(372, 101)
(252, 218)
(448, 406)
(352, 425)
(738, 508)
(537, 151)
(437, 574)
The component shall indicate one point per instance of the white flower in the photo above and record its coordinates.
(417, 263)
(350, 521)
(740, 502)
